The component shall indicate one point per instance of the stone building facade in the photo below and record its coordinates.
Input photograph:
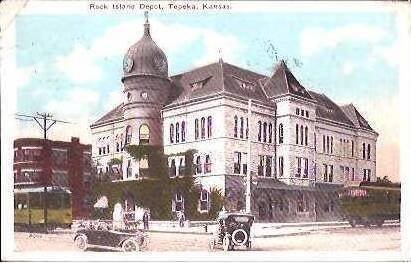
(39, 162)
(298, 145)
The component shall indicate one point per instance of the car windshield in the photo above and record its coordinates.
(241, 219)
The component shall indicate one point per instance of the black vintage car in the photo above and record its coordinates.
(233, 229)
(103, 236)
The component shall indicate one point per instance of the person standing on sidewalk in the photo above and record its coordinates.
(145, 220)
(181, 218)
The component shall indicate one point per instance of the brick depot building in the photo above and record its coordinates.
(39, 162)
(298, 143)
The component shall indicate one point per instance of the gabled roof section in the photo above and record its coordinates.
(283, 82)
(327, 109)
(115, 114)
(217, 78)
(356, 118)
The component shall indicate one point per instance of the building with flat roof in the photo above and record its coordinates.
(39, 163)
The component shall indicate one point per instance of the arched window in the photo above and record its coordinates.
(198, 165)
(270, 133)
(280, 133)
(128, 134)
(171, 133)
(202, 128)
(259, 131)
(363, 150)
(265, 132)
(301, 135)
(177, 132)
(235, 126)
(144, 134)
(207, 165)
(209, 126)
(246, 129)
(368, 151)
(306, 135)
(183, 131)
(241, 127)
(204, 200)
(296, 134)
(196, 131)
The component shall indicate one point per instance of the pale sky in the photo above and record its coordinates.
(71, 65)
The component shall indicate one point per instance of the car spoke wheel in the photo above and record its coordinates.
(130, 245)
(226, 243)
(81, 242)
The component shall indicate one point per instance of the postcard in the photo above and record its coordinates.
(205, 130)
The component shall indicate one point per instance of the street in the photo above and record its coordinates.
(335, 239)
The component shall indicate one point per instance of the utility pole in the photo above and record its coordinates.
(248, 179)
(45, 122)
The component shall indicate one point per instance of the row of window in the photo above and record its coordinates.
(239, 132)
(266, 167)
(200, 165)
(368, 156)
(300, 171)
(328, 144)
(177, 134)
(177, 202)
(262, 132)
(345, 172)
(26, 155)
(302, 112)
(301, 134)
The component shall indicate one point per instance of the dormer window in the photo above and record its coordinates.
(197, 85)
(244, 84)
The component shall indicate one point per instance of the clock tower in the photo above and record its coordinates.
(146, 90)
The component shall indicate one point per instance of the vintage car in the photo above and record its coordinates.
(233, 229)
(101, 235)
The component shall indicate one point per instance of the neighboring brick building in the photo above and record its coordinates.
(298, 144)
(39, 162)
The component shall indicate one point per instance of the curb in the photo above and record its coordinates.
(284, 235)
(177, 232)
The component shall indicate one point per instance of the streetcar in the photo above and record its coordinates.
(370, 203)
(29, 207)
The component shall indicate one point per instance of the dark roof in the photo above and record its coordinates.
(327, 109)
(356, 118)
(217, 78)
(283, 82)
(115, 114)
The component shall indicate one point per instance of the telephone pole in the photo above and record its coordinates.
(45, 122)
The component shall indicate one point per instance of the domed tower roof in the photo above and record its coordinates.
(145, 58)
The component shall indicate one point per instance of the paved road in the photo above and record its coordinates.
(339, 239)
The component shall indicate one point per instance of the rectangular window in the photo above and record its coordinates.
(328, 144)
(298, 172)
(332, 144)
(331, 175)
(302, 113)
(237, 162)
(305, 168)
(280, 166)
(268, 168)
(260, 169)
(296, 134)
(323, 143)
(352, 174)
(297, 111)
(325, 172)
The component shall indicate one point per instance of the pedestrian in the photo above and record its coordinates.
(145, 220)
(181, 218)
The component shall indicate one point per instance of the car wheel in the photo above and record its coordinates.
(130, 245)
(81, 242)
(226, 243)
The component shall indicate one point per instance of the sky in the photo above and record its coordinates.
(71, 65)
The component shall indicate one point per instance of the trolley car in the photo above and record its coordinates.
(370, 203)
(29, 207)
